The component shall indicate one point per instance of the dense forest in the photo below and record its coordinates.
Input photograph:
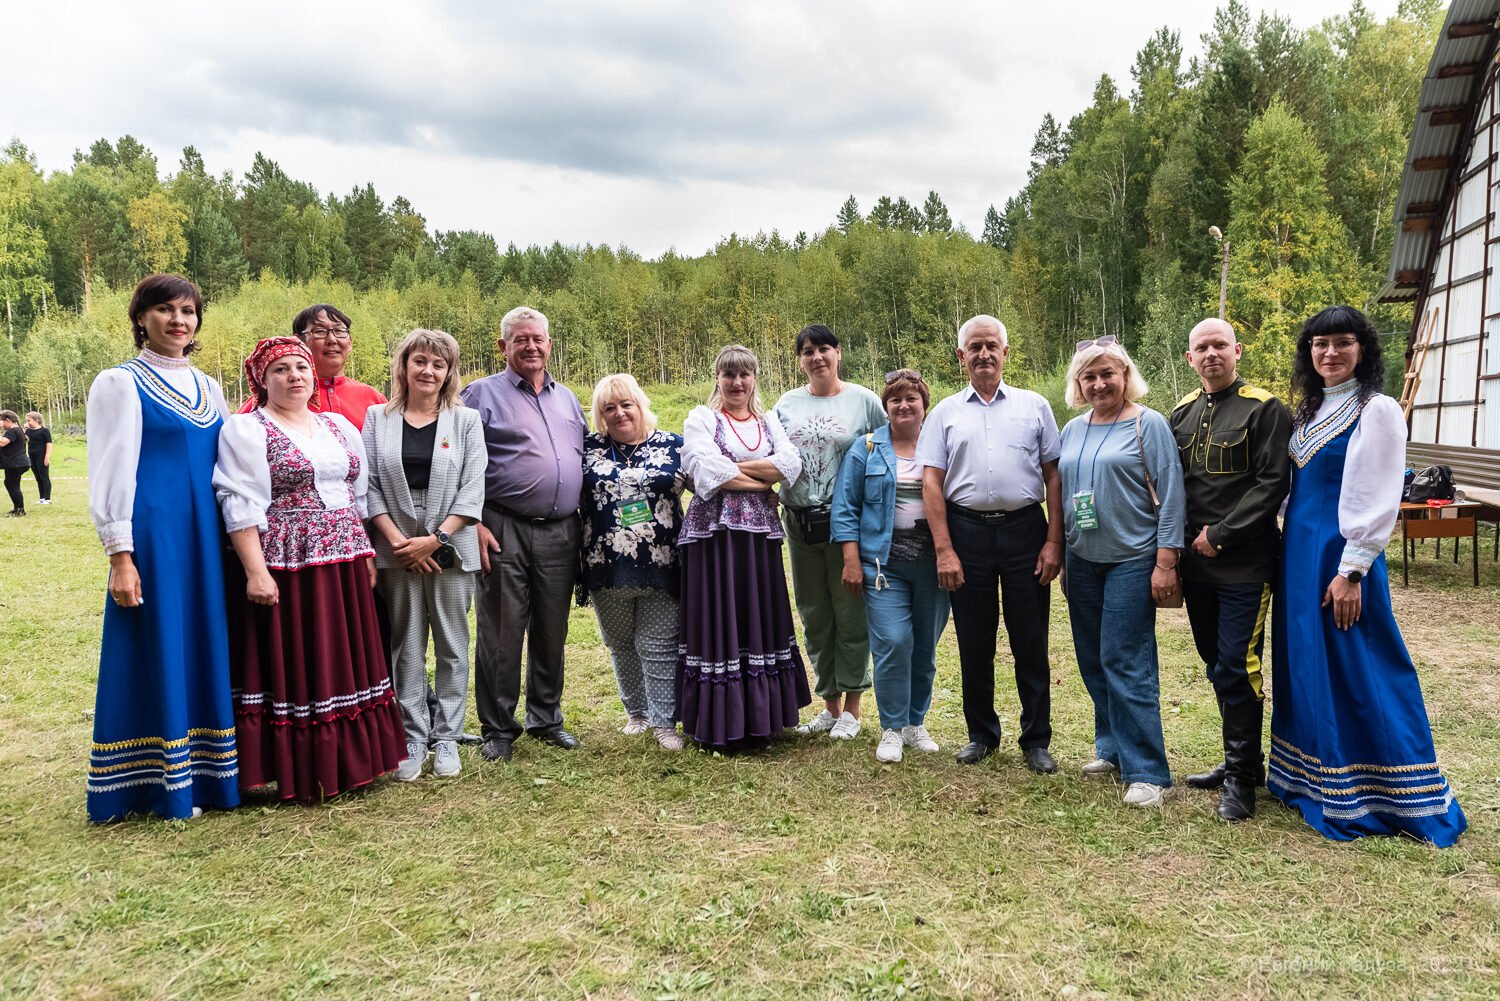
(1290, 139)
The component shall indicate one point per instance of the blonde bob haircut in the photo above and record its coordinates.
(621, 386)
(1135, 386)
(432, 342)
(734, 359)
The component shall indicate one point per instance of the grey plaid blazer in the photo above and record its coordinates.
(456, 485)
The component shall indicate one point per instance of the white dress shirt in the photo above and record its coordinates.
(993, 452)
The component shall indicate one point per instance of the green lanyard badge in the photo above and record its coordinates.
(1084, 514)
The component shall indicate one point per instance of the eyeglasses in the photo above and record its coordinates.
(902, 373)
(1321, 344)
(1097, 342)
(326, 333)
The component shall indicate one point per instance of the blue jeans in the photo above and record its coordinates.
(906, 618)
(1114, 634)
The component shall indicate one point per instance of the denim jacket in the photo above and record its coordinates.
(864, 502)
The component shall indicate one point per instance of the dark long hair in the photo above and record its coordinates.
(1307, 384)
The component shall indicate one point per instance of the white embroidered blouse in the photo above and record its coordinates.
(242, 479)
(114, 426)
(1374, 469)
(707, 465)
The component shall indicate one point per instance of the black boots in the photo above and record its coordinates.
(1211, 779)
(1243, 767)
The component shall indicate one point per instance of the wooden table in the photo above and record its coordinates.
(1423, 521)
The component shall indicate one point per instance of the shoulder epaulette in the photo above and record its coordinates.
(1256, 393)
(1189, 398)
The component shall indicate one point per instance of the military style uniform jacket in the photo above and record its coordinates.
(1233, 446)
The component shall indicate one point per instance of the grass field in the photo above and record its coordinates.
(622, 871)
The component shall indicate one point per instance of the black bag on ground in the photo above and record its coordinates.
(1432, 483)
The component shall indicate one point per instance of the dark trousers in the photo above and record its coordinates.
(1002, 558)
(43, 474)
(1229, 630)
(13, 487)
(525, 598)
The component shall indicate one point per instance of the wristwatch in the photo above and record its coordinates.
(1354, 576)
(442, 537)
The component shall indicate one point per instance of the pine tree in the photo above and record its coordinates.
(994, 228)
(935, 218)
(884, 212)
(848, 215)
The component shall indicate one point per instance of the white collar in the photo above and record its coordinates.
(162, 361)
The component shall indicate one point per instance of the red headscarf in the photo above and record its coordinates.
(268, 351)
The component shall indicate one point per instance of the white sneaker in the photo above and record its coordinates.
(1144, 794)
(445, 763)
(636, 724)
(847, 728)
(918, 737)
(410, 768)
(889, 750)
(818, 724)
(1100, 767)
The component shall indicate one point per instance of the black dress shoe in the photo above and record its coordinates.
(558, 738)
(1040, 761)
(496, 749)
(974, 752)
(1211, 779)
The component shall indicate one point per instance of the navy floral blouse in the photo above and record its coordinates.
(627, 543)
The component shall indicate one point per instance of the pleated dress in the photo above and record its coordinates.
(1351, 747)
(740, 674)
(315, 711)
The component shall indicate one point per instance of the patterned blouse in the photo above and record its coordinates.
(631, 509)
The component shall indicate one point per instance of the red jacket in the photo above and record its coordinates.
(339, 395)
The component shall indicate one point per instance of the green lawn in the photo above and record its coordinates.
(622, 871)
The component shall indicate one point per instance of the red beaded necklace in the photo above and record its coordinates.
(760, 432)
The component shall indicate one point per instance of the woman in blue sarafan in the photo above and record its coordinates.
(1351, 747)
(163, 723)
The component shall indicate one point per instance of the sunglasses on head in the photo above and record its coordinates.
(1100, 342)
(902, 373)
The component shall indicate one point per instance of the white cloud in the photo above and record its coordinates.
(650, 124)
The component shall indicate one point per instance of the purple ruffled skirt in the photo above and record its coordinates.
(739, 673)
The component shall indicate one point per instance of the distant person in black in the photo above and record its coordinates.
(1232, 439)
(13, 460)
(39, 451)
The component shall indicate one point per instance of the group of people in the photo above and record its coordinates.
(360, 526)
(22, 447)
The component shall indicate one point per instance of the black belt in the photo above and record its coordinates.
(992, 517)
(500, 509)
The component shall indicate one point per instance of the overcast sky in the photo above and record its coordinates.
(652, 124)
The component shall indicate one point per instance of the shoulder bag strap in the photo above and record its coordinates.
(1141, 449)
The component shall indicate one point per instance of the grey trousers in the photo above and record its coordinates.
(525, 598)
(438, 602)
(639, 625)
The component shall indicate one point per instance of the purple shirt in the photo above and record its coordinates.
(535, 444)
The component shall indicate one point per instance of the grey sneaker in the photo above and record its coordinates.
(445, 763)
(668, 738)
(635, 725)
(410, 768)
(821, 723)
(889, 749)
(1100, 767)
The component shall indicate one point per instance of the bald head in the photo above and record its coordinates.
(1214, 353)
(1212, 324)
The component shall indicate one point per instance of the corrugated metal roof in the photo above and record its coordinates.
(1412, 251)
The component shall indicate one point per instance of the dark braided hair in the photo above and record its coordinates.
(1307, 384)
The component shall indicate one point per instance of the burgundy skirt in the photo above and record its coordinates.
(314, 708)
(739, 673)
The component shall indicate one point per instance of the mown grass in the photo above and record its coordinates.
(621, 871)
